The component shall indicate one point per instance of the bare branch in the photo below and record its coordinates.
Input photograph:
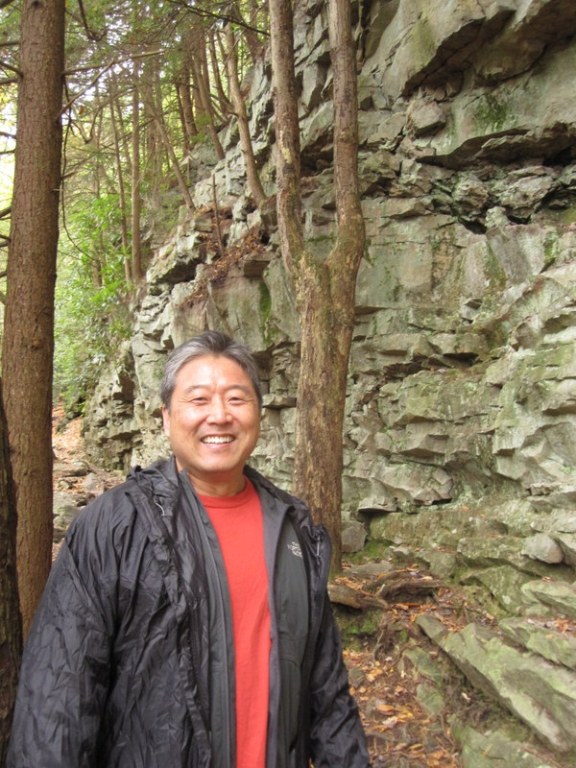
(100, 74)
(10, 67)
(95, 37)
(233, 18)
(115, 62)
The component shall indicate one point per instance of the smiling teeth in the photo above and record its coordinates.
(217, 439)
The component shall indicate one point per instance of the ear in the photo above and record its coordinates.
(166, 420)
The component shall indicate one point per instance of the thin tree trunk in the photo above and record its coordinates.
(156, 156)
(285, 96)
(197, 51)
(253, 179)
(96, 253)
(324, 290)
(223, 100)
(123, 132)
(256, 13)
(117, 138)
(28, 342)
(182, 184)
(180, 89)
(185, 97)
(134, 270)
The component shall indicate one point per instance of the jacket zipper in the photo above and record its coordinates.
(222, 619)
(315, 536)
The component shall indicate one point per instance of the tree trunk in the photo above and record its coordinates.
(117, 139)
(252, 176)
(182, 183)
(201, 76)
(134, 271)
(185, 111)
(97, 249)
(325, 290)
(257, 18)
(29, 320)
(225, 107)
(285, 95)
(10, 625)
(155, 158)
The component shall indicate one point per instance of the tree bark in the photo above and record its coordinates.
(29, 320)
(199, 66)
(117, 139)
(250, 18)
(134, 271)
(185, 108)
(182, 183)
(225, 107)
(325, 290)
(252, 177)
(10, 625)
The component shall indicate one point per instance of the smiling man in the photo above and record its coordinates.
(212, 419)
(186, 621)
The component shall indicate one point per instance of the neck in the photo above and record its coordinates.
(217, 488)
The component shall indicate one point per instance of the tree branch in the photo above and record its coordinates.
(95, 37)
(100, 73)
(10, 67)
(231, 18)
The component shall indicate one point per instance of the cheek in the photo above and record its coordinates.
(181, 421)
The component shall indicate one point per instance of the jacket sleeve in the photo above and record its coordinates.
(65, 669)
(337, 736)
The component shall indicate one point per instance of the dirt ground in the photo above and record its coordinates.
(401, 732)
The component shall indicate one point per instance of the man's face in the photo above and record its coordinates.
(213, 423)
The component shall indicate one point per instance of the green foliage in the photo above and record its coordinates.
(92, 314)
(115, 49)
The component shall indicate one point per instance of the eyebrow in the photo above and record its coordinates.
(242, 387)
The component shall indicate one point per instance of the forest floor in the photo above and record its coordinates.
(405, 726)
(401, 731)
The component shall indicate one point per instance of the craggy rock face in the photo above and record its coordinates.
(462, 390)
(461, 409)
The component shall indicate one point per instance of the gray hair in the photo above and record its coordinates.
(209, 343)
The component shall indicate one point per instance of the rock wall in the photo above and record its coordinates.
(460, 421)
(461, 404)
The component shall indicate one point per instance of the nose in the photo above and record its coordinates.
(218, 411)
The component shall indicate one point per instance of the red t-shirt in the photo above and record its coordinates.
(239, 526)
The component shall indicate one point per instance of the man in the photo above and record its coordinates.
(186, 621)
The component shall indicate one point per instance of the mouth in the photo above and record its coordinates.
(217, 439)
